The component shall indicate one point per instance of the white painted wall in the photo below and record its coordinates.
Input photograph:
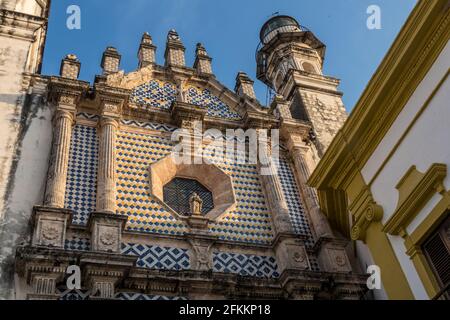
(426, 143)
(365, 259)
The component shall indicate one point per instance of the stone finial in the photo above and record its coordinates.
(174, 54)
(70, 67)
(202, 61)
(110, 60)
(244, 85)
(196, 204)
(147, 51)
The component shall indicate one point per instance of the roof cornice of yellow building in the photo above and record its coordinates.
(416, 48)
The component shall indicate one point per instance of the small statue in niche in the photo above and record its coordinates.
(196, 204)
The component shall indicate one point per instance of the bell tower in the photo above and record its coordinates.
(290, 60)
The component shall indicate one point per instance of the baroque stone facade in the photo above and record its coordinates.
(103, 207)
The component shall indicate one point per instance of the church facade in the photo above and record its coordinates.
(90, 181)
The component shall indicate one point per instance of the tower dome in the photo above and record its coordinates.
(274, 58)
(276, 25)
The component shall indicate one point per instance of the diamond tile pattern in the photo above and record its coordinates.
(67, 295)
(292, 195)
(216, 108)
(140, 296)
(156, 257)
(157, 94)
(135, 153)
(81, 188)
(245, 265)
(149, 125)
(77, 244)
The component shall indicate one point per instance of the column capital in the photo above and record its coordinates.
(64, 113)
(108, 121)
(295, 131)
(110, 100)
(67, 93)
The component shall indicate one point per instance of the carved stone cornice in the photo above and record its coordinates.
(111, 100)
(19, 25)
(183, 113)
(256, 120)
(295, 132)
(120, 270)
(67, 92)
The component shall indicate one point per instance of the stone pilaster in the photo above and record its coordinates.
(318, 219)
(276, 199)
(107, 176)
(111, 102)
(57, 173)
(331, 251)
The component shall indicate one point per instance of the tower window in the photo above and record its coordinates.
(178, 192)
(308, 67)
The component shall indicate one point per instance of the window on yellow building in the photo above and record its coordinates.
(437, 252)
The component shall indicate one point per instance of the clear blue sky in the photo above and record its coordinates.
(229, 30)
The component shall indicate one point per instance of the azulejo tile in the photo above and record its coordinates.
(155, 93)
(157, 257)
(149, 125)
(245, 264)
(81, 186)
(205, 99)
(292, 194)
(77, 244)
(141, 296)
(135, 153)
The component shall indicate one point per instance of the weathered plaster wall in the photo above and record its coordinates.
(25, 127)
(25, 182)
(13, 55)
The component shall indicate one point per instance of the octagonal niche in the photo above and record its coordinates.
(178, 192)
(210, 176)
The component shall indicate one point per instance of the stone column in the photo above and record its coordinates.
(107, 176)
(57, 173)
(277, 201)
(318, 219)
(330, 250)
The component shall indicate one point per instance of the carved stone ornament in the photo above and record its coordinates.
(50, 232)
(67, 99)
(108, 238)
(299, 256)
(109, 107)
(202, 250)
(340, 260)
